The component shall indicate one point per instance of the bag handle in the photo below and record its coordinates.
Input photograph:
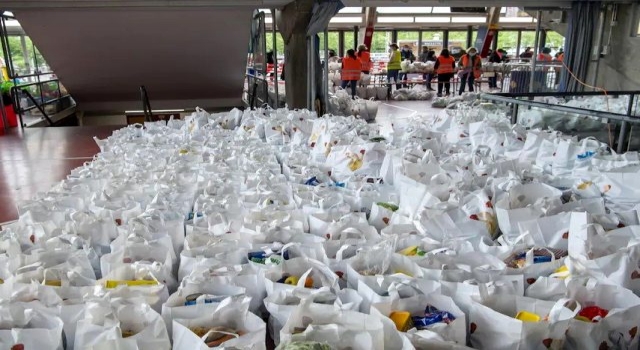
(556, 310)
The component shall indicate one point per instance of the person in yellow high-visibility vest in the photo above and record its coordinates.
(393, 67)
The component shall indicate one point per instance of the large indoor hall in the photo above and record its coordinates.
(319, 175)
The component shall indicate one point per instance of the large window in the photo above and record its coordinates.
(411, 39)
(380, 45)
(555, 41)
(528, 40)
(332, 42)
(279, 43)
(508, 40)
(457, 40)
(433, 40)
(349, 42)
(25, 57)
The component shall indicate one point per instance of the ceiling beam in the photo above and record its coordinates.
(23, 4)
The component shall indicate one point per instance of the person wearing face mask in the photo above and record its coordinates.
(470, 69)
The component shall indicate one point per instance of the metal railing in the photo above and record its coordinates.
(622, 120)
(146, 105)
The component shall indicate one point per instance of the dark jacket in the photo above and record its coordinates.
(495, 58)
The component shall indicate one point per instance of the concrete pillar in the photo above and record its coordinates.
(293, 20)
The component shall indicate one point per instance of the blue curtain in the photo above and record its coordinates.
(583, 19)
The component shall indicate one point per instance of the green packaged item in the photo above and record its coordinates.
(377, 139)
(389, 206)
(305, 345)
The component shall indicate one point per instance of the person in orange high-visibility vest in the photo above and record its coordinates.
(351, 68)
(365, 58)
(445, 66)
(471, 69)
(545, 55)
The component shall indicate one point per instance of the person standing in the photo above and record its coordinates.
(333, 57)
(445, 67)
(393, 67)
(496, 57)
(427, 56)
(526, 54)
(365, 58)
(545, 55)
(406, 55)
(471, 68)
(351, 68)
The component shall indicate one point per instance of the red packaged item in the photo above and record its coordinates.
(592, 313)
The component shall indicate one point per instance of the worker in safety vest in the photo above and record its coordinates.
(365, 58)
(545, 55)
(351, 68)
(445, 66)
(470, 69)
(393, 67)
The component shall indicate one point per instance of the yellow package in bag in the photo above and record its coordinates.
(140, 283)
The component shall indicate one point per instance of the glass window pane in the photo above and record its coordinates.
(528, 40)
(410, 39)
(380, 46)
(433, 40)
(555, 41)
(279, 44)
(508, 40)
(21, 54)
(332, 42)
(457, 42)
(348, 41)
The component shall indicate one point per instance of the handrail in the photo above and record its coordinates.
(56, 80)
(146, 105)
(625, 119)
(44, 114)
(561, 108)
(567, 94)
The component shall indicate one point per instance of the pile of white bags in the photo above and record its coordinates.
(330, 233)
(363, 107)
(416, 93)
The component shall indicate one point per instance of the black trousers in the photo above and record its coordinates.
(444, 81)
(464, 79)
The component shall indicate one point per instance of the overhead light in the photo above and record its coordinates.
(515, 19)
(441, 10)
(346, 20)
(395, 19)
(468, 19)
(433, 19)
(351, 10)
(413, 10)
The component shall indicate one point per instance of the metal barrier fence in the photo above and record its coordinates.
(621, 121)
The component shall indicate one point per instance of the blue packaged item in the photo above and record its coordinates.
(586, 155)
(312, 182)
(431, 316)
(191, 299)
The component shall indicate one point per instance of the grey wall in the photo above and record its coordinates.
(619, 69)
(186, 57)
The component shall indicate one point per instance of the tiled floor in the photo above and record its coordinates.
(33, 160)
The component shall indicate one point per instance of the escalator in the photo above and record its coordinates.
(185, 56)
